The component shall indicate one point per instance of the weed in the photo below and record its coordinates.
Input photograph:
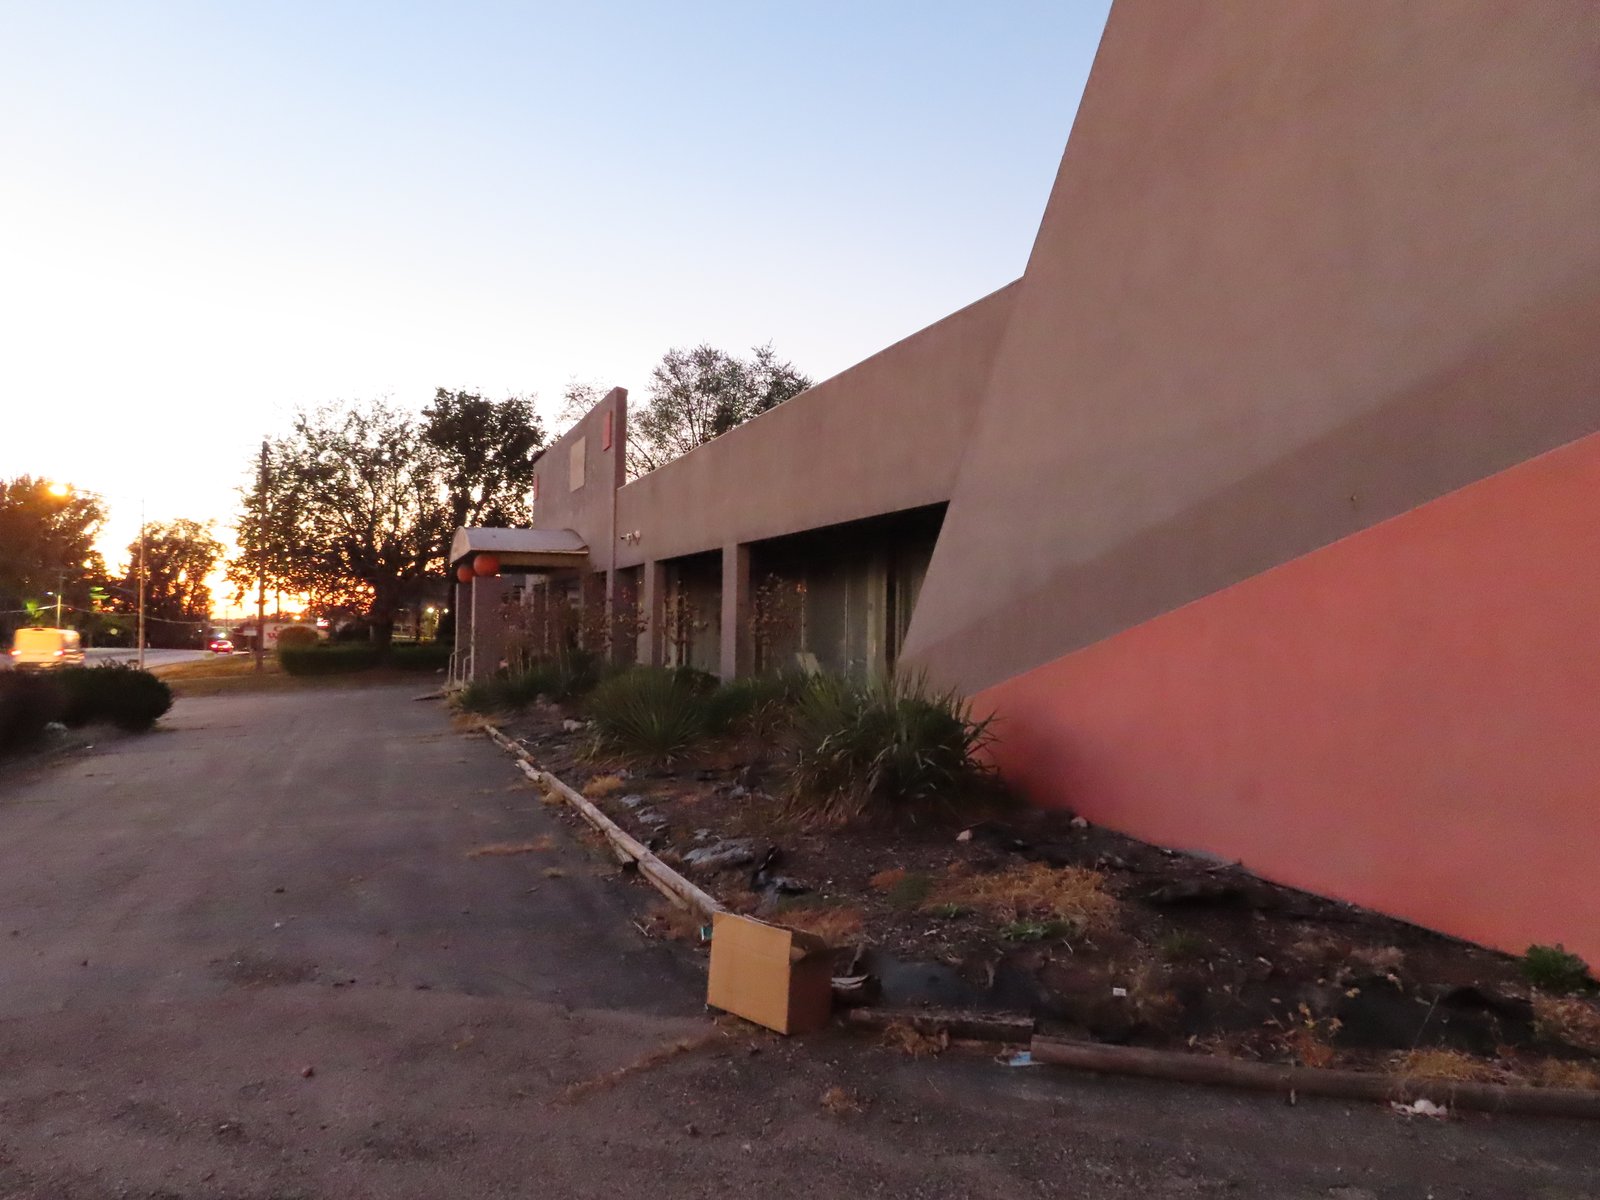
(886, 880)
(1555, 970)
(947, 912)
(841, 1102)
(908, 894)
(1034, 931)
(835, 924)
(1558, 1073)
(1181, 945)
(650, 713)
(505, 849)
(1567, 1019)
(1380, 960)
(668, 921)
(911, 1041)
(891, 750)
(554, 873)
(602, 786)
(1451, 1065)
(1036, 892)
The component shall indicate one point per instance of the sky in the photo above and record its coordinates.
(212, 214)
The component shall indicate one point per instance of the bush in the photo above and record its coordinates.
(652, 713)
(329, 658)
(759, 706)
(564, 678)
(891, 750)
(118, 693)
(1555, 970)
(27, 704)
(297, 637)
(420, 656)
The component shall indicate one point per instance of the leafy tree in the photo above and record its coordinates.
(46, 545)
(353, 509)
(486, 450)
(698, 394)
(178, 557)
(577, 398)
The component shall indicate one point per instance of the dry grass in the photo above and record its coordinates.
(1034, 891)
(886, 881)
(674, 924)
(506, 849)
(1557, 1073)
(1450, 1065)
(910, 1040)
(602, 786)
(554, 873)
(1567, 1019)
(1380, 960)
(841, 1102)
(655, 1058)
(835, 925)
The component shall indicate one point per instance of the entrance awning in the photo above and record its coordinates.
(528, 549)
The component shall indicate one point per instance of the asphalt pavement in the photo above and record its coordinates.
(252, 956)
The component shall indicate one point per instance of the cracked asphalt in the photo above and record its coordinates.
(247, 957)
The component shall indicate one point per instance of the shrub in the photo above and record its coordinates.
(119, 693)
(651, 713)
(27, 704)
(335, 658)
(297, 637)
(889, 750)
(420, 656)
(1555, 970)
(563, 678)
(759, 706)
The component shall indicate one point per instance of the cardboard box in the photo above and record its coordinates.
(777, 977)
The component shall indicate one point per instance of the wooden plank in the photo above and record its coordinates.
(1310, 1081)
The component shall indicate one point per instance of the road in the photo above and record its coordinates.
(249, 957)
(152, 658)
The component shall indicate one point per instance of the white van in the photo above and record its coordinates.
(46, 649)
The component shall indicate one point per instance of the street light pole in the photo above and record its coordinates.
(142, 577)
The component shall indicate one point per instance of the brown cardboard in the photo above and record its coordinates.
(780, 978)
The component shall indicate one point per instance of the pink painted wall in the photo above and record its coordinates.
(1408, 718)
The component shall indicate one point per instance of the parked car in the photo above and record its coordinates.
(220, 646)
(46, 649)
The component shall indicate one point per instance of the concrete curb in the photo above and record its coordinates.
(628, 849)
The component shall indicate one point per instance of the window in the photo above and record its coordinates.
(575, 465)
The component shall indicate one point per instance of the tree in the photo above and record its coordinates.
(178, 557)
(354, 508)
(46, 546)
(699, 394)
(577, 398)
(486, 449)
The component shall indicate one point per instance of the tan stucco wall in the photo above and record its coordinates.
(1305, 266)
(886, 434)
(587, 510)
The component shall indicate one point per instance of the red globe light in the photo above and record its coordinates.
(464, 574)
(486, 564)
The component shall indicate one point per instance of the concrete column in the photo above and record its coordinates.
(461, 607)
(737, 647)
(653, 605)
(488, 631)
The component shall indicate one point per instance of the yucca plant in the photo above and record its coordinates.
(650, 713)
(892, 750)
(759, 706)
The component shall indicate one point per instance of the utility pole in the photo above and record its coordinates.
(261, 577)
(143, 578)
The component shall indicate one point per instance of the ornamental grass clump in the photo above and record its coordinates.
(758, 706)
(892, 751)
(652, 714)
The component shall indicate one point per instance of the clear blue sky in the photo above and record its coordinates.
(213, 213)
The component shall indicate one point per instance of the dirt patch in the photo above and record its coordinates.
(1093, 934)
(252, 969)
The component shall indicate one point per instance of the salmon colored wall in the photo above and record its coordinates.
(1408, 718)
